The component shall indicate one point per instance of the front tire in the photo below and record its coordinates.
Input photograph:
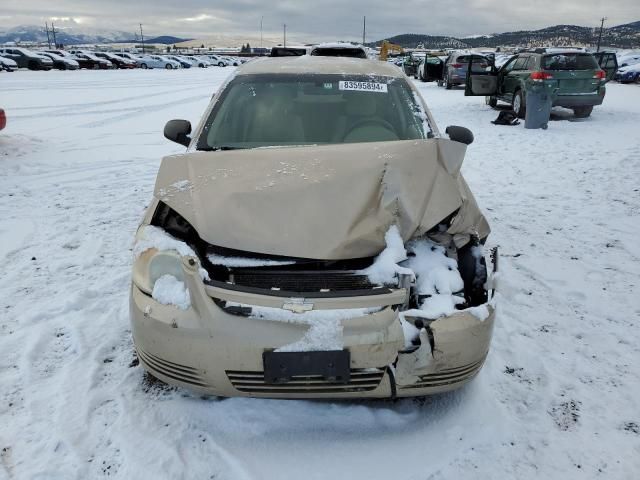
(491, 101)
(168, 66)
(220, 64)
(582, 112)
(447, 83)
(518, 104)
(144, 65)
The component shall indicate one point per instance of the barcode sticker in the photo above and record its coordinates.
(362, 86)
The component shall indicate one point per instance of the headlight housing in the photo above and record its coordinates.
(152, 264)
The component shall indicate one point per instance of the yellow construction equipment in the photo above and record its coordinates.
(388, 47)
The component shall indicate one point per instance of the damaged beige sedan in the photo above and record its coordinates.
(315, 240)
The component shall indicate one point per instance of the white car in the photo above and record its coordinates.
(7, 64)
(156, 61)
(201, 62)
(219, 61)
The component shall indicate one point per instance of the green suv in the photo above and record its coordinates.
(574, 79)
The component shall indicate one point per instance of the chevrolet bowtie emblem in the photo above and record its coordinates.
(296, 305)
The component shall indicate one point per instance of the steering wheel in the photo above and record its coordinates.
(370, 121)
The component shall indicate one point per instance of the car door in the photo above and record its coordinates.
(511, 80)
(434, 67)
(608, 62)
(481, 84)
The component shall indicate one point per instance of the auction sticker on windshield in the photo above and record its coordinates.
(362, 86)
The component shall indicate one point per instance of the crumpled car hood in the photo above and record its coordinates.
(328, 202)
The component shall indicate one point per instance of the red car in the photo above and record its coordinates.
(3, 119)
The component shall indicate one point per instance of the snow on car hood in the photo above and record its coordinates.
(326, 202)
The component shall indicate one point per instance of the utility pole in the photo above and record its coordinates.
(261, 19)
(53, 29)
(600, 35)
(142, 37)
(46, 26)
(364, 29)
(285, 35)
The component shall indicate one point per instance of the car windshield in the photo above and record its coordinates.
(277, 110)
(569, 61)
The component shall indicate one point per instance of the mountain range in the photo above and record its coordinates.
(73, 36)
(621, 36)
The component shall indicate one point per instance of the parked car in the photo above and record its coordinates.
(117, 60)
(62, 63)
(430, 68)
(27, 58)
(410, 62)
(200, 62)
(457, 65)
(3, 119)
(338, 49)
(573, 78)
(217, 60)
(290, 51)
(177, 62)
(629, 59)
(7, 64)
(323, 300)
(629, 74)
(156, 61)
(88, 59)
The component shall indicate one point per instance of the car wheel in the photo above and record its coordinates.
(220, 64)
(582, 112)
(32, 65)
(518, 104)
(447, 84)
(168, 66)
(143, 65)
(491, 101)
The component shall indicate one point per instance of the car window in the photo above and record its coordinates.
(569, 61)
(520, 63)
(272, 110)
(531, 64)
(510, 64)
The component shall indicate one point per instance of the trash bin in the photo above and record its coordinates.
(538, 111)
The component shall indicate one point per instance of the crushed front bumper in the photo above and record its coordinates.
(206, 349)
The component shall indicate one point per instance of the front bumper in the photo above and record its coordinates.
(211, 351)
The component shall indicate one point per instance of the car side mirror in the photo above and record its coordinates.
(459, 134)
(178, 131)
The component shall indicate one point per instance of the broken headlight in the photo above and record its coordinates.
(153, 264)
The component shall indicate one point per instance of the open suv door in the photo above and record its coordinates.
(480, 84)
(608, 62)
(433, 68)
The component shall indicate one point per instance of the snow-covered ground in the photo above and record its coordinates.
(559, 396)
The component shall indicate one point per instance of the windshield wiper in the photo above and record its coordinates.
(221, 147)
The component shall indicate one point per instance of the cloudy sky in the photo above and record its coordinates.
(316, 20)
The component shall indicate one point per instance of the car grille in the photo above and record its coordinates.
(362, 380)
(301, 281)
(175, 371)
(446, 377)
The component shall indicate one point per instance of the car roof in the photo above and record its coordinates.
(306, 64)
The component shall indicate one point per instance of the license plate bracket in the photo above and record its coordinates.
(333, 366)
